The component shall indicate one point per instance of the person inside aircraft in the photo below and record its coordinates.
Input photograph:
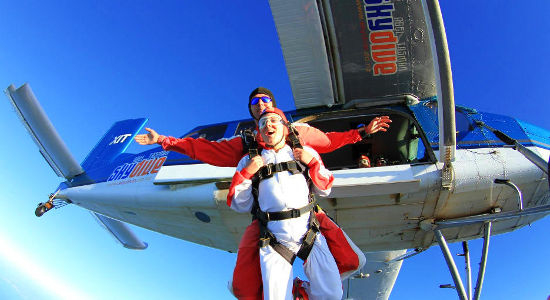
(363, 161)
(275, 187)
(246, 283)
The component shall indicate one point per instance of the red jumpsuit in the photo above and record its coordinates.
(247, 280)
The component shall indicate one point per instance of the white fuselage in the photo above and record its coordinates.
(380, 208)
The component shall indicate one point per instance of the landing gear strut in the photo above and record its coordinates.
(487, 220)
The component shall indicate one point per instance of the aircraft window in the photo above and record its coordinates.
(462, 120)
(401, 144)
(213, 133)
(463, 125)
(421, 154)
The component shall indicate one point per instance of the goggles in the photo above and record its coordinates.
(264, 99)
(272, 119)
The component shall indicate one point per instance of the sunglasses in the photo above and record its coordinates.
(264, 99)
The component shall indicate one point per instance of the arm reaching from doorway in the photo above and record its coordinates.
(325, 143)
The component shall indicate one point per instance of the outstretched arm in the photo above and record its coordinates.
(335, 140)
(221, 153)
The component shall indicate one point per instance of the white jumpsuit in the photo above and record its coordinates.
(285, 191)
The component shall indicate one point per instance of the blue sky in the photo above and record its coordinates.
(188, 63)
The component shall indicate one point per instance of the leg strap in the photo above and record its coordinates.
(267, 238)
(309, 238)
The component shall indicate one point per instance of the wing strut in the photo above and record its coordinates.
(486, 219)
(530, 155)
(444, 81)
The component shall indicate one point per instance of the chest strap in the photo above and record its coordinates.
(283, 215)
(269, 170)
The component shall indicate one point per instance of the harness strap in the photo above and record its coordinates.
(267, 238)
(293, 137)
(283, 215)
(249, 143)
(309, 238)
(269, 170)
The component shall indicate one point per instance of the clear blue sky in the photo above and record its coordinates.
(188, 63)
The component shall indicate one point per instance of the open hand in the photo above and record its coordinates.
(378, 124)
(147, 139)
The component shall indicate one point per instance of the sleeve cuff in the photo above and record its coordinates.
(244, 173)
(161, 139)
(363, 133)
(312, 162)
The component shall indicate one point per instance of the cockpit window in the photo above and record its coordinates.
(213, 133)
(463, 124)
(463, 120)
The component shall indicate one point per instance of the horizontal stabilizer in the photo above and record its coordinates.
(45, 136)
(121, 232)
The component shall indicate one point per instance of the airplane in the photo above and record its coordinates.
(409, 175)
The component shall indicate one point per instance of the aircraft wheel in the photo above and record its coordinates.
(40, 210)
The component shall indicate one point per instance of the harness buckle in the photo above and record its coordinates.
(253, 153)
(310, 237)
(263, 242)
(279, 167)
(268, 170)
(295, 213)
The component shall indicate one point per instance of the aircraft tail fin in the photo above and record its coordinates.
(39, 126)
(121, 232)
(114, 142)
